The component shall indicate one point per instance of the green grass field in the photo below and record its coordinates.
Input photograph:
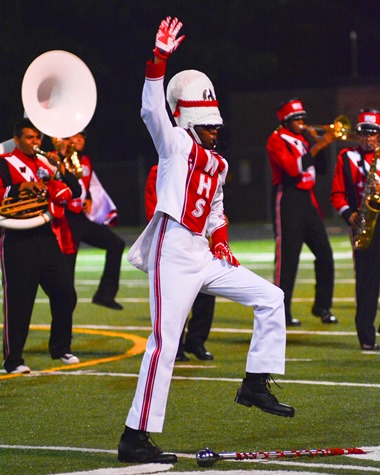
(69, 419)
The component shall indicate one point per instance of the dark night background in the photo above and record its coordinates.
(241, 45)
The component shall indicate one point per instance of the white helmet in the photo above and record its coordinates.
(192, 100)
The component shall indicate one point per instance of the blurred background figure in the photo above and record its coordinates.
(76, 227)
(356, 183)
(293, 150)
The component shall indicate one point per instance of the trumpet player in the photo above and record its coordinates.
(356, 178)
(76, 227)
(32, 257)
(294, 155)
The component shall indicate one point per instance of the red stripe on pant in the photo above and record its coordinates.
(151, 376)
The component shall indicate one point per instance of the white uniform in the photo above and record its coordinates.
(175, 252)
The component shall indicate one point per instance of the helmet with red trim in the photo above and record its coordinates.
(291, 109)
(368, 121)
(192, 100)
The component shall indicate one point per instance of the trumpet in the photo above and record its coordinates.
(72, 162)
(341, 127)
(71, 158)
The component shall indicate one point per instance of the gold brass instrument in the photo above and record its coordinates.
(341, 127)
(369, 208)
(23, 208)
(25, 212)
(71, 159)
(59, 97)
(72, 162)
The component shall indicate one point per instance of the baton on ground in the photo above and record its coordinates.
(207, 457)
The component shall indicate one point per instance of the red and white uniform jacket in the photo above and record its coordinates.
(150, 193)
(190, 178)
(19, 168)
(287, 152)
(16, 168)
(350, 176)
(76, 205)
(61, 226)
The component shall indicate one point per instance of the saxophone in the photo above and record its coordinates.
(369, 208)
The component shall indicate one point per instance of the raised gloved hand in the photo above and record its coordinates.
(166, 37)
(221, 250)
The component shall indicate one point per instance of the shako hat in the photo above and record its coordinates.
(291, 109)
(192, 100)
(369, 120)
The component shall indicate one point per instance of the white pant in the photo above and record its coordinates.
(181, 265)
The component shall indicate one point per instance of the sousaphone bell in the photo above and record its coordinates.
(59, 94)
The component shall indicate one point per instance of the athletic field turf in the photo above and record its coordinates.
(65, 419)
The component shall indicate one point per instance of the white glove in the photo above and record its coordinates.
(166, 41)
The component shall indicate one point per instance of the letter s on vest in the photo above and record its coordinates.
(199, 208)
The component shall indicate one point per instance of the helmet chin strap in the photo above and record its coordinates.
(194, 134)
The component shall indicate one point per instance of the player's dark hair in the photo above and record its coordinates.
(21, 125)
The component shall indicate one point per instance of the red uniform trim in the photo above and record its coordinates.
(155, 70)
(277, 273)
(157, 331)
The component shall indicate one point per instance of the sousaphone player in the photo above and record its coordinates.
(31, 257)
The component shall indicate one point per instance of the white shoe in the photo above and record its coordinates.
(68, 358)
(21, 369)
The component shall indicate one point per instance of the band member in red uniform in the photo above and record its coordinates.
(352, 178)
(293, 150)
(75, 227)
(31, 257)
(174, 251)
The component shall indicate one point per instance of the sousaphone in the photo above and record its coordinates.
(59, 94)
(59, 97)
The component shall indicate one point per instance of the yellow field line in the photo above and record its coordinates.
(138, 347)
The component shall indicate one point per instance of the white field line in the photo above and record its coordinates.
(198, 378)
(129, 328)
(257, 265)
(44, 300)
(245, 256)
(144, 283)
(95, 263)
(372, 456)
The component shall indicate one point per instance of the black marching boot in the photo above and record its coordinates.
(255, 391)
(136, 446)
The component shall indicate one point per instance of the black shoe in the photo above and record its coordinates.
(369, 347)
(200, 352)
(135, 446)
(181, 357)
(324, 314)
(109, 303)
(293, 322)
(256, 392)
